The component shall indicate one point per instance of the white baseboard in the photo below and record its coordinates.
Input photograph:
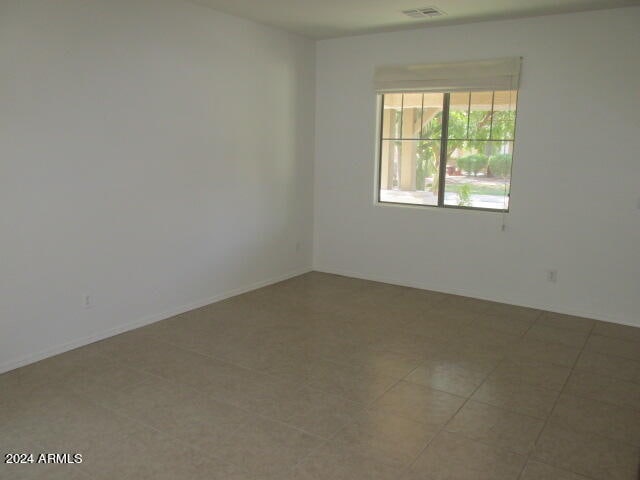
(80, 342)
(462, 292)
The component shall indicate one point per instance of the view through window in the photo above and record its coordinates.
(447, 149)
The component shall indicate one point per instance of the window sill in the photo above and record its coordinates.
(432, 208)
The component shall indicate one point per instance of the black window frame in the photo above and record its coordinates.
(444, 141)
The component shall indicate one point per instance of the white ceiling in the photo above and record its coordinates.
(334, 18)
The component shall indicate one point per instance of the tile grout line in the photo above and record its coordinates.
(444, 426)
(268, 375)
(151, 427)
(325, 441)
(555, 403)
(353, 420)
(298, 386)
(188, 444)
(249, 413)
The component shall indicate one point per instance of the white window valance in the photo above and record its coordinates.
(477, 75)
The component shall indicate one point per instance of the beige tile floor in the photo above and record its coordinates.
(328, 377)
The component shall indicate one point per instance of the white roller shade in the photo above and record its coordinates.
(478, 75)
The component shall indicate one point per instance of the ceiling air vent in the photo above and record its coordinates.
(425, 12)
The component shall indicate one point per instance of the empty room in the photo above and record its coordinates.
(330, 240)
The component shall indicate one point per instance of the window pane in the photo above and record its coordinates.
(432, 115)
(409, 171)
(458, 115)
(479, 148)
(504, 115)
(480, 115)
(392, 115)
(479, 175)
(411, 115)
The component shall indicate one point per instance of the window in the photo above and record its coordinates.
(447, 147)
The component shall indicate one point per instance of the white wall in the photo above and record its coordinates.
(154, 154)
(575, 202)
